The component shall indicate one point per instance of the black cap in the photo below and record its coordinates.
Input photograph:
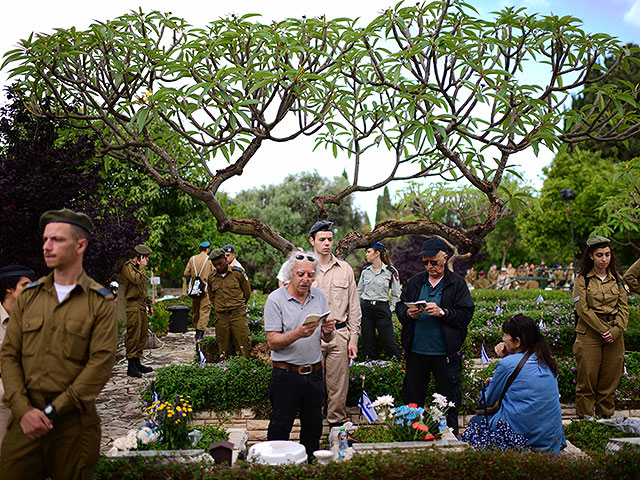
(17, 271)
(229, 249)
(322, 225)
(432, 246)
(66, 216)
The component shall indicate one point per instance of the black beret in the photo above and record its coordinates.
(17, 271)
(67, 216)
(322, 225)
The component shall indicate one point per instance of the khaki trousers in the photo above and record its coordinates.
(335, 364)
(233, 326)
(599, 370)
(68, 452)
(201, 309)
(137, 330)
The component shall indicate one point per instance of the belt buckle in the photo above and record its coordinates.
(373, 302)
(305, 369)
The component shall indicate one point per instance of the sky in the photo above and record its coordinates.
(273, 163)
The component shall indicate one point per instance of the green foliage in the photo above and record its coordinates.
(210, 434)
(546, 229)
(159, 321)
(380, 377)
(230, 385)
(592, 437)
(414, 464)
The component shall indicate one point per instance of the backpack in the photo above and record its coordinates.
(197, 287)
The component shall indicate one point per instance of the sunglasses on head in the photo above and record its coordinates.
(432, 262)
(309, 257)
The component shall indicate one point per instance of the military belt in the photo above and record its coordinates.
(606, 317)
(375, 302)
(341, 325)
(232, 310)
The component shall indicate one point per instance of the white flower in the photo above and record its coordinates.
(112, 452)
(436, 413)
(452, 405)
(147, 436)
(440, 400)
(384, 400)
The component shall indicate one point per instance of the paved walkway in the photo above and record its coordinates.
(119, 402)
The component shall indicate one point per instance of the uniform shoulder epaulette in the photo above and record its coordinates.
(104, 291)
(366, 267)
(32, 284)
(393, 270)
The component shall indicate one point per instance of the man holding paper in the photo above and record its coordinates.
(295, 319)
(433, 332)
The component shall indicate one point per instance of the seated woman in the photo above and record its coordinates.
(531, 404)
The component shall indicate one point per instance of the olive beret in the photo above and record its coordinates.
(142, 249)
(67, 216)
(597, 240)
(217, 253)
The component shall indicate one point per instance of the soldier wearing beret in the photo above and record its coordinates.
(138, 308)
(600, 300)
(200, 267)
(13, 279)
(230, 254)
(229, 291)
(57, 355)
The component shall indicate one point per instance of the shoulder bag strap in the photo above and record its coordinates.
(515, 373)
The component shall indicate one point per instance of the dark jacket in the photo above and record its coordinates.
(458, 309)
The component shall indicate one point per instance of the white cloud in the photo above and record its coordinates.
(633, 14)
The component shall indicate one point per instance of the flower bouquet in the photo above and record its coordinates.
(407, 423)
(171, 421)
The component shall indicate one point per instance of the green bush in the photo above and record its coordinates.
(159, 321)
(210, 434)
(209, 346)
(230, 385)
(416, 464)
(592, 437)
(381, 377)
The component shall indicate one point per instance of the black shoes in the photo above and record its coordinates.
(132, 369)
(199, 335)
(143, 368)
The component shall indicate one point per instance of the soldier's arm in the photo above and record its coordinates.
(97, 371)
(15, 391)
(133, 275)
(354, 314)
(396, 290)
(244, 284)
(622, 316)
(631, 277)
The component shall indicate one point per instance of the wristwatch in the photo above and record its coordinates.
(441, 312)
(50, 411)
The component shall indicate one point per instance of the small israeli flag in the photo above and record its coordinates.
(540, 299)
(498, 310)
(203, 359)
(367, 409)
(541, 325)
(484, 358)
(155, 396)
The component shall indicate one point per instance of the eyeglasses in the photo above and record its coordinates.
(432, 262)
(309, 257)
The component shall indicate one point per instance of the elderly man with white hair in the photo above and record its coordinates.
(296, 380)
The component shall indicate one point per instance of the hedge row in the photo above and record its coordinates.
(434, 465)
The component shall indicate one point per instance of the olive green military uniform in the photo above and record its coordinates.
(492, 277)
(134, 284)
(200, 307)
(531, 285)
(481, 283)
(559, 278)
(632, 276)
(59, 353)
(229, 294)
(601, 307)
(472, 277)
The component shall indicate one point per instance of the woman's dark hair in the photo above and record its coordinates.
(586, 263)
(384, 256)
(8, 283)
(524, 328)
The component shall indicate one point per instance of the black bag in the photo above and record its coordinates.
(483, 408)
(197, 287)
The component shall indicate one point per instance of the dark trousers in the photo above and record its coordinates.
(446, 372)
(292, 393)
(377, 317)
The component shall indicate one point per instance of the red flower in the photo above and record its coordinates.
(429, 437)
(413, 405)
(420, 427)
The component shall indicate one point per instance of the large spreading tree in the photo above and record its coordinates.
(437, 91)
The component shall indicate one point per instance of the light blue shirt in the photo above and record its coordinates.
(531, 405)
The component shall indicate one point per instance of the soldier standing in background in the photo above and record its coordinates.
(230, 291)
(200, 267)
(138, 308)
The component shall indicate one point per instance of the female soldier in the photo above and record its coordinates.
(600, 300)
(378, 279)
